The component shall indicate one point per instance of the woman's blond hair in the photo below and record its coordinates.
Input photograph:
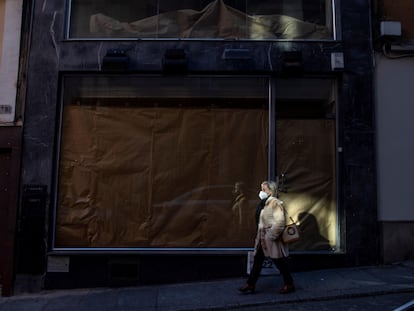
(272, 185)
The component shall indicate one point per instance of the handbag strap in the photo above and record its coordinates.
(286, 214)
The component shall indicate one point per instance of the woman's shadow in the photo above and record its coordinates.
(311, 238)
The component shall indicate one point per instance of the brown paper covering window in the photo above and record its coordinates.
(216, 21)
(159, 177)
(163, 177)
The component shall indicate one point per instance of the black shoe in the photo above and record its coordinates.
(247, 289)
(287, 288)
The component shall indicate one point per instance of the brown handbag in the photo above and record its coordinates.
(291, 232)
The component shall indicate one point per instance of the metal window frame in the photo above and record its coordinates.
(138, 250)
(272, 81)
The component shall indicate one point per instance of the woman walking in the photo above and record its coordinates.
(269, 243)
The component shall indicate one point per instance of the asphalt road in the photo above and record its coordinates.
(387, 302)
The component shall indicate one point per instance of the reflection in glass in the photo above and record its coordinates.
(152, 162)
(256, 20)
(306, 158)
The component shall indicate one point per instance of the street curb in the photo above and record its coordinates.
(304, 300)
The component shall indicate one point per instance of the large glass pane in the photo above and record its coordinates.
(203, 19)
(306, 159)
(154, 162)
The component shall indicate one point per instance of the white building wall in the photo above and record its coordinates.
(395, 140)
(10, 19)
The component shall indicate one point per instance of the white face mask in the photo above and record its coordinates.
(263, 195)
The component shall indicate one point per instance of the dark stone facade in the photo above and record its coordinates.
(50, 55)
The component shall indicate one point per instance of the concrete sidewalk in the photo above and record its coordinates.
(222, 294)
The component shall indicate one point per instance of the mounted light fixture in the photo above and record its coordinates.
(292, 63)
(115, 60)
(390, 29)
(175, 61)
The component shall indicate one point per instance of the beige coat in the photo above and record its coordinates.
(272, 221)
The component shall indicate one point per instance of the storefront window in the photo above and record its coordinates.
(306, 159)
(161, 162)
(217, 19)
(176, 162)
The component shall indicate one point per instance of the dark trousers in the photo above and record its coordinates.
(280, 264)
